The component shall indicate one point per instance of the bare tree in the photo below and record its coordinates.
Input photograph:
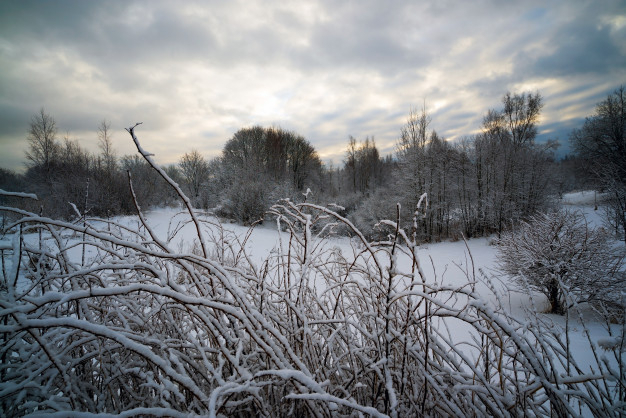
(602, 142)
(510, 175)
(43, 146)
(425, 161)
(520, 115)
(194, 170)
(106, 146)
(302, 161)
(411, 149)
(109, 178)
(350, 162)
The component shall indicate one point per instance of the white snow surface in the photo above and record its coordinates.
(589, 203)
(446, 263)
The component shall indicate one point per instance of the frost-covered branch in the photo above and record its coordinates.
(143, 328)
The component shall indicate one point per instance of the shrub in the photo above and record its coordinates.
(559, 255)
(142, 329)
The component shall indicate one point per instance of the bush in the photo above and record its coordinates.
(142, 329)
(245, 202)
(559, 255)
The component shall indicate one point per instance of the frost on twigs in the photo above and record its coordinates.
(311, 332)
(559, 255)
(141, 328)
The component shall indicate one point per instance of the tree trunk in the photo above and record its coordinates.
(554, 298)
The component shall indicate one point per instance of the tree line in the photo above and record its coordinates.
(67, 178)
(478, 185)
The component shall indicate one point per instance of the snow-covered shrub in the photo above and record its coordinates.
(145, 329)
(245, 201)
(370, 210)
(559, 255)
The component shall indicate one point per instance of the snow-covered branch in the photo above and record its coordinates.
(143, 328)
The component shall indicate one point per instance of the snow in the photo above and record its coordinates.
(583, 198)
(18, 194)
(464, 270)
(587, 202)
(448, 264)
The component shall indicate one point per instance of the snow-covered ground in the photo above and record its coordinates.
(447, 263)
(453, 264)
(589, 203)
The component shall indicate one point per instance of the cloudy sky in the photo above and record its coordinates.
(196, 72)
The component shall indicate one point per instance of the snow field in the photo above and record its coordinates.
(333, 324)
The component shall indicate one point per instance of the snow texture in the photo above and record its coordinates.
(174, 314)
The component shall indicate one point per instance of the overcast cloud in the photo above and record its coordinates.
(196, 72)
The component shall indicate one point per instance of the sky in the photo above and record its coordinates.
(195, 72)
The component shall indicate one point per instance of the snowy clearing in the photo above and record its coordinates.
(164, 315)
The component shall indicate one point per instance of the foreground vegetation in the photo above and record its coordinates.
(147, 329)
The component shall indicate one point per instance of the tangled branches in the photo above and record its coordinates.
(142, 328)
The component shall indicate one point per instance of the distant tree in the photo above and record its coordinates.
(217, 182)
(439, 159)
(512, 172)
(260, 165)
(109, 181)
(64, 181)
(148, 185)
(350, 162)
(303, 163)
(106, 146)
(246, 177)
(194, 171)
(73, 179)
(572, 173)
(73, 160)
(602, 142)
(246, 149)
(560, 256)
(411, 148)
(464, 168)
(367, 166)
(520, 116)
(483, 184)
(43, 147)
(425, 163)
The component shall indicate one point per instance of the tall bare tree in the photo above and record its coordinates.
(109, 179)
(43, 146)
(508, 161)
(520, 116)
(106, 146)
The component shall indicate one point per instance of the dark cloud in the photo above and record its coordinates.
(582, 48)
(13, 119)
(575, 38)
